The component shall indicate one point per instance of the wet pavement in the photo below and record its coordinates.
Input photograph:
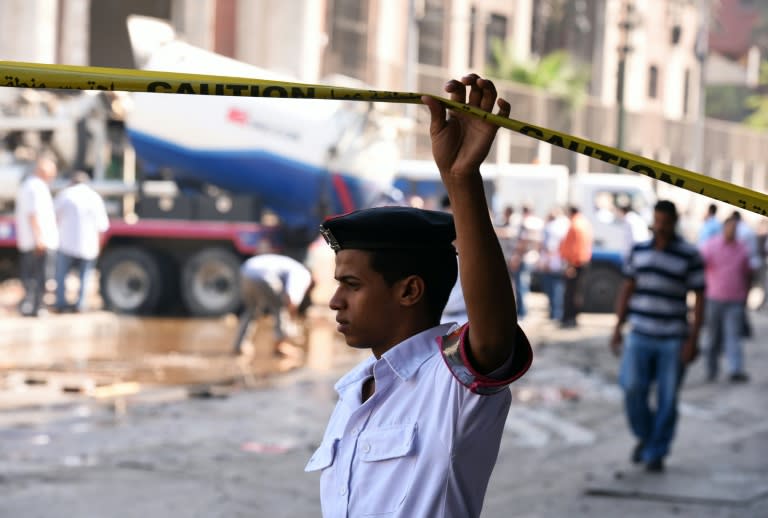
(90, 352)
(240, 450)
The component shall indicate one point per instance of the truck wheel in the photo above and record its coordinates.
(600, 288)
(210, 282)
(130, 281)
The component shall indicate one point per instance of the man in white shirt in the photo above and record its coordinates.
(636, 230)
(417, 427)
(270, 283)
(550, 265)
(36, 234)
(82, 219)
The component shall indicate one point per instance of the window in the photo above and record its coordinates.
(431, 33)
(496, 30)
(653, 82)
(348, 43)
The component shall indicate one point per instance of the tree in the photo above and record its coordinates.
(556, 72)
(759, 103)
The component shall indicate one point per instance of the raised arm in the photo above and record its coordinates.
(460, 143)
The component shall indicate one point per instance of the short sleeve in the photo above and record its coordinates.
(453, 349)
(102, 218)
(695, 280)
(29, 198)
(628, 269)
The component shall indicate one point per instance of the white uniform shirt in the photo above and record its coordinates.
(425, 443)
(282, 273)
(82, 217)
(34, 197)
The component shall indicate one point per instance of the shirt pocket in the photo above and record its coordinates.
(388, 457)
(323, 456)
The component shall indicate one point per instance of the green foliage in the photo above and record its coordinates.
(758, 104)
(727, 102)
(555, 73)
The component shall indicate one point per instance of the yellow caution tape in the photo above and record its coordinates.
(34, 75)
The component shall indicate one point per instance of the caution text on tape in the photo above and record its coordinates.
(34, 75)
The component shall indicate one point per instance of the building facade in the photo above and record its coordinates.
(417, 44)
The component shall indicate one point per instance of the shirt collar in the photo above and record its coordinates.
(404, 359)
(675, 239)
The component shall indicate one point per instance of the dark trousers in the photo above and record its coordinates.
(572, 295)
(33, 272)
(259, 299)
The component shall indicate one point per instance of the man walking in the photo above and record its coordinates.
(82, 219)
(659, 274)
(37, 236)
(711, 226)
(728, 274)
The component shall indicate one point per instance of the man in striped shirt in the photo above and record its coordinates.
(662, 341)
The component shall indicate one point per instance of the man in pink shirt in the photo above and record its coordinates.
(728, 275)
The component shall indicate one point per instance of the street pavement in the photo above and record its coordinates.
(241, 452)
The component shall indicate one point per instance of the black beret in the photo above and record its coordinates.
(390, 228)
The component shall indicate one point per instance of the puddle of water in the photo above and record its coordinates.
(168, 351)
(80, 352)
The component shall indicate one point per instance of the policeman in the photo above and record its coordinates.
(417, 427)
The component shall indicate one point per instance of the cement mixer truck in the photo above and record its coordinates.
(211, 180)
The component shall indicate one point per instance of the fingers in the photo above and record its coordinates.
(482, 94)
(476, 90)
(488, 98)
(436, 113)
(457, 89)
(458, 93)
(504, 108)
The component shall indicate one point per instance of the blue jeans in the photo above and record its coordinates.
(554, 288)
(646, 360)
(725, 322)
(520, 279)
(64, 264)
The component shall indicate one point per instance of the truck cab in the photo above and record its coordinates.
(599, 197)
